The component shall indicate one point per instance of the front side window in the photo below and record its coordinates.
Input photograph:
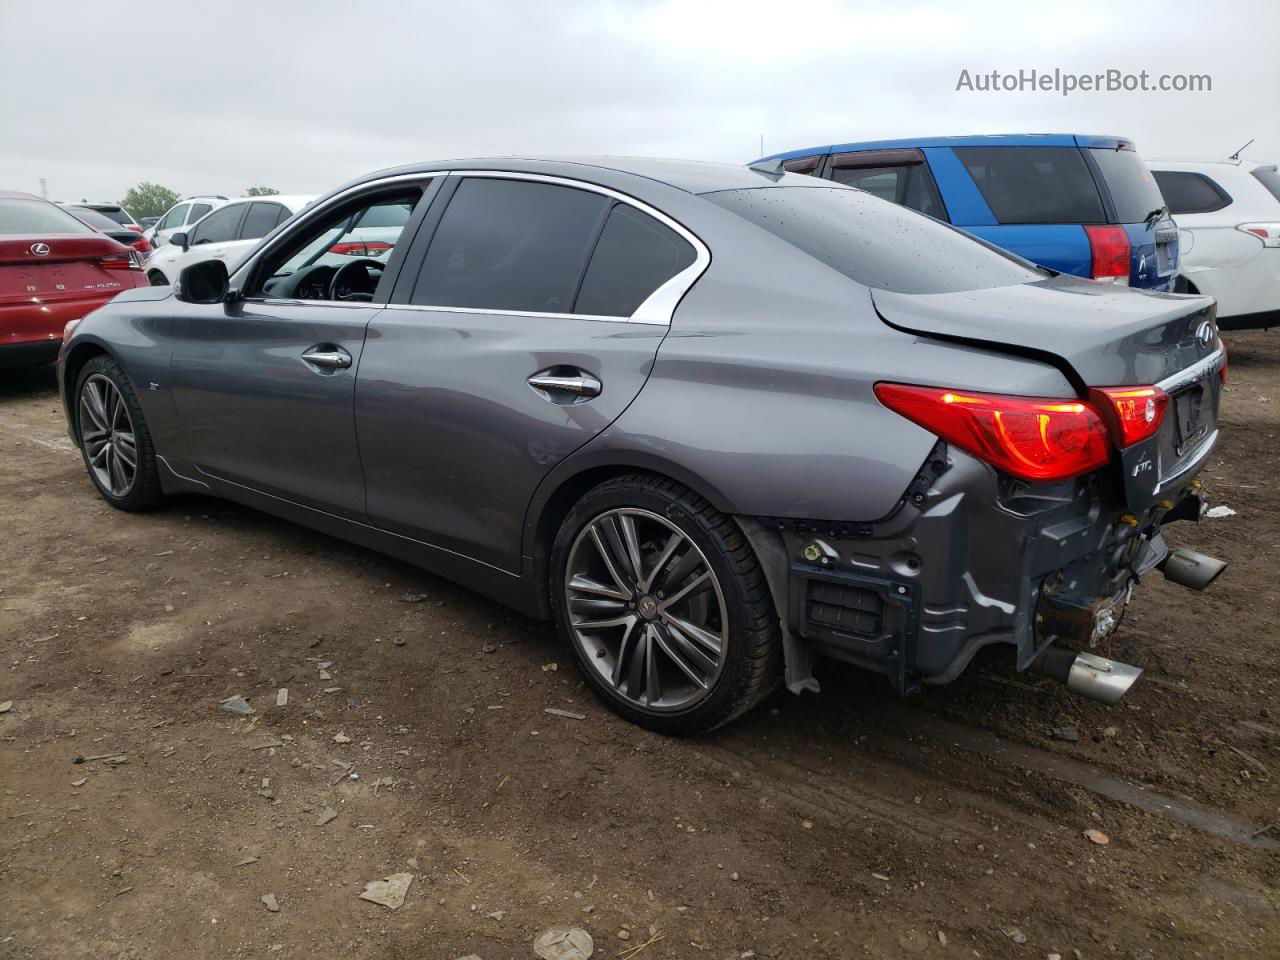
(175, 217)
(198, 210)
(219, 226)
(260, 220)
(515, 245)
(634, 256)
(1035, 184)
(339, 256)
(806, 165)
(1186, 192)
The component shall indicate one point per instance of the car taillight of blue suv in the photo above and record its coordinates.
(1075, 204)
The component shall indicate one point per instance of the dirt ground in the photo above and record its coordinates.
(842, 825)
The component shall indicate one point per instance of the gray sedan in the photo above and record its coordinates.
(714, 421)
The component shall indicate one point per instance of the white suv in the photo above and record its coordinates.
(229, 233)
(1228, 214)
(181, 215)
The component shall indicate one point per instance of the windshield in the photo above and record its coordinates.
(19, 216)
(875, 242)
(1133, 189)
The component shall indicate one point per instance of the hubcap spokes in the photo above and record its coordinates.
(106, 431)
(646, 609)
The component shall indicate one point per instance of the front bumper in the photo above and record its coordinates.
(970, 558)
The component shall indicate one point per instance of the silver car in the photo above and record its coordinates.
(714, 421)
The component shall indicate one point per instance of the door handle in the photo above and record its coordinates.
(579, 385)
(328, 356)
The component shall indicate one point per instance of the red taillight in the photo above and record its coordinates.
(142, 245)
(127, 261)
(1109, 247)
(1032, 438)
(359, 248)
(1135, 412)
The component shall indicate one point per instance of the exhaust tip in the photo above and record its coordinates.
(1101, 679)
(1190, 568)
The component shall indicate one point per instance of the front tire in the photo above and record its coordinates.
(664, 606)
(114, 439)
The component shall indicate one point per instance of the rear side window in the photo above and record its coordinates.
(878, 244)
(1133, 189)
(1270, 179)
(510, 245)
(1186, 192)
(174, 218)
(260, 220)
(635, 255)
(19, 217)
(219, 226)
(1034, 184)
(198, 210)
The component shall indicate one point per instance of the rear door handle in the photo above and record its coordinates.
(579, 385)
(328, 356)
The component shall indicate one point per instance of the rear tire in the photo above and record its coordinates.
(114, 440)
(664, 605)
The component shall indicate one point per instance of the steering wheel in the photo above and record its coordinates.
(348, 284)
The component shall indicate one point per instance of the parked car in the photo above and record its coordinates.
(712, 421)
(53, 268)
(181, 215)
(112, 211)
(104, 224)
(1082, 205)
(228, 233)
(148, 222)
(1229, 215)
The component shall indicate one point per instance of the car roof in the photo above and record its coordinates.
(294, 202)
(1242, 162)
(981, 140)
(691, 176)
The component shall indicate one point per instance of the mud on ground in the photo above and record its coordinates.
(842, 825)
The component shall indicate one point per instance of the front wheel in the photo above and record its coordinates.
(114, 439)
(664, 605)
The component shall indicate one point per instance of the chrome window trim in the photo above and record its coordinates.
(657, 309)
(1197, 371)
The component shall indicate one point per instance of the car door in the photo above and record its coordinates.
(215, 236)
(264, 385)
(173, 220)
(529, 327)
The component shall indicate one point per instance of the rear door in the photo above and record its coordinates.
(1036, 201)
(527, 330)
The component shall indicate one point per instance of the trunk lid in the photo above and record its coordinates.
(1099, 336)
(57, 267)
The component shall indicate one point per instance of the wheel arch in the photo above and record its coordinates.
(74, 361)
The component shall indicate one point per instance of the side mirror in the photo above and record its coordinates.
(179, 239)
(203, 282)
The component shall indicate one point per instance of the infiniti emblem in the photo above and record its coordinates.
(1204, 333)
(40, 249)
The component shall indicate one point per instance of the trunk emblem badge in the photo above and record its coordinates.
(40, 249)
(1204, 332)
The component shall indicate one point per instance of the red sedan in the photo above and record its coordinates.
(53, 269)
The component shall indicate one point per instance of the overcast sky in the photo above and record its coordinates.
(216, 96)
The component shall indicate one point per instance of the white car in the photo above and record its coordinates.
(228, 233)
(181, 215)
(1228, 214)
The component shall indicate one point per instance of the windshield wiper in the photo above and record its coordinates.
(1151, 218)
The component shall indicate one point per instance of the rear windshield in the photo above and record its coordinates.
(96, 220)
(1034, 184)
(875, 242)
(117, 214)
(19, 217)
(1133, 189)
(1270, 179)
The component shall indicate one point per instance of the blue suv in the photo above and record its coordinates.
(1082, 205)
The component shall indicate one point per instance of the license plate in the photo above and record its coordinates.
(1190, 426)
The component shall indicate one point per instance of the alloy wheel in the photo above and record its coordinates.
(107, 434)
(646, 609)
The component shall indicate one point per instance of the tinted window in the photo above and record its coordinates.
(635, 255)
(96, 220)
(1190, 192)
(219, 226)
(876, 243)
(174, 218)
(386, 215)
(1269, 179)
(510, 245)
(36, 216)
(801, 164)
(260, 220)
(1132, 187)
(283, 216)
(116, 214)
(1034, 184)
(198, 210)
(910, 185)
